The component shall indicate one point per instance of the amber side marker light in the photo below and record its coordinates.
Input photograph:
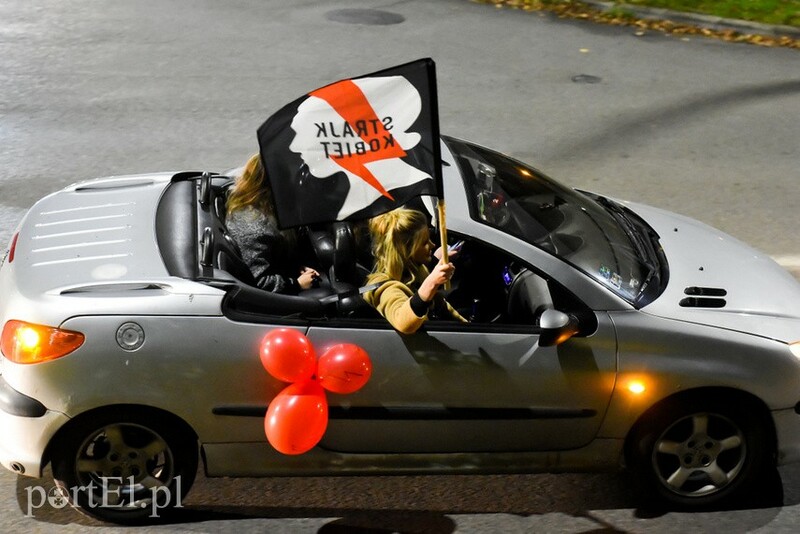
(636, 387)
(23, 342)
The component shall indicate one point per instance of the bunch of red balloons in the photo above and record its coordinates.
(298, 416)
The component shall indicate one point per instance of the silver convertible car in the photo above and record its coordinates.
(603, 335)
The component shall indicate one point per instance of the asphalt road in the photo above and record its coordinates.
(568, 503)
(698, 126)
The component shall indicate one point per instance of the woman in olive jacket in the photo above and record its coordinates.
(408, 292)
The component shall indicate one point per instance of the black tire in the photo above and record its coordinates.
(698, 454)
(125, 466)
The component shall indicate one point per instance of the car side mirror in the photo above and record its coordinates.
(557, 327)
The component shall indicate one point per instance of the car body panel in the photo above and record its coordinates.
(91, 248)
(184, 374)
(659, 353)
(536, 398)
(230, 459)
(454, 391)
(24, 455)
(760, 296)
(96, 231)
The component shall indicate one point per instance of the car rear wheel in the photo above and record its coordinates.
(696, 455)
(124, 467)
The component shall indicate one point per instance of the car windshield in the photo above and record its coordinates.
(596, 235)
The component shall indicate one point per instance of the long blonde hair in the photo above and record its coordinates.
(252, 189)
(395, 235)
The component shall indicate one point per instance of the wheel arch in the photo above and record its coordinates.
(137, 409)
(700, 395)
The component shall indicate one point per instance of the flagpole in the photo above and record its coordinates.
(442, 230)
(437, 160)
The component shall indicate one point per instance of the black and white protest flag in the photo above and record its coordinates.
(355, 148)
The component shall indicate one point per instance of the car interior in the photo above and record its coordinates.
(489, 286)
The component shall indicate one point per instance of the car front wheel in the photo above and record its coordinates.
(124, 467)
(697, 455)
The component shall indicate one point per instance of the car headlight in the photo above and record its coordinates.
(795, 348)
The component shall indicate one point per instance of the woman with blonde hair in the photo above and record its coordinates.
(268, 252)
(408, 291)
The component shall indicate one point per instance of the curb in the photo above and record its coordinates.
(695, 19)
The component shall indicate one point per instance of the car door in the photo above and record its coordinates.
(481, 386)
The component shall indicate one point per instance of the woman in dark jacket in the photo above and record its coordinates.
(269, 252)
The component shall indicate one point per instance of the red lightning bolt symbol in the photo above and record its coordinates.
(350, 103)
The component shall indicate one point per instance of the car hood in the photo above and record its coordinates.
(716, 280)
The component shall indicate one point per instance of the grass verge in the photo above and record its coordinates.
(786, 11)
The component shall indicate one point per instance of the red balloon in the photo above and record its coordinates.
(344, 368)
(297, 418)
(288, 355)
